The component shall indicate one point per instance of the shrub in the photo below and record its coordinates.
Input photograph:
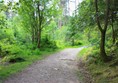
(36, 52)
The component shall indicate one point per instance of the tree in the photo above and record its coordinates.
(104, 28)
(108, 16)
(37, 15)
(113, 17)
(102, 12)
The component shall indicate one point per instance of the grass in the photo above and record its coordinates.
(100, 71)
(84, 53)
(9, 69)
(104, 73)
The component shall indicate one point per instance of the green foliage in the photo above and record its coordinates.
(27, 23)
(84, 53)
(7, 69)
(84, 23)
(101, 72)
(37, 52)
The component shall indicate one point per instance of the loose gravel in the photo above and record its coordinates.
(60, 67)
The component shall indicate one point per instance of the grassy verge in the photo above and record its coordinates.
(104, 73)
(8, 69)
(101, 72)
(82, 72)
(84, 53)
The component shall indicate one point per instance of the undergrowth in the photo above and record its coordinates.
(21, 57)
(101, 72)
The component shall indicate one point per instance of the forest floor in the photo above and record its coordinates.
(60, 67)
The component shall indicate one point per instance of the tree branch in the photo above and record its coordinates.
(97, 17)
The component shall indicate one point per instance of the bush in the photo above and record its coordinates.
(36, 52)
(12, 59)
(46, 43)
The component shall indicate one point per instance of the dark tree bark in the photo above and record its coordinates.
(73, 41)
(40, 20)
(39, 39)
(33, 34)
(36, 33)
(102, 46)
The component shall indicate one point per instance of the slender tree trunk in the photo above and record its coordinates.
(73, 42)
(33, 27)
(33, 35)
(39, 39)
(36, 34)
(102, 46)
(39, 26)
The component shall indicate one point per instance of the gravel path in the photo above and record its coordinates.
(58, 68)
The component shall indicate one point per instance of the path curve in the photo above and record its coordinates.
(58, 68)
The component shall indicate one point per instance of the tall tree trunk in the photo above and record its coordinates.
(39, 26)
(73, 41)
(33, 35)
(39, 39)
(36, 34)
(102, 46)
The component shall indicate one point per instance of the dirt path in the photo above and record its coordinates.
(57, 68)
